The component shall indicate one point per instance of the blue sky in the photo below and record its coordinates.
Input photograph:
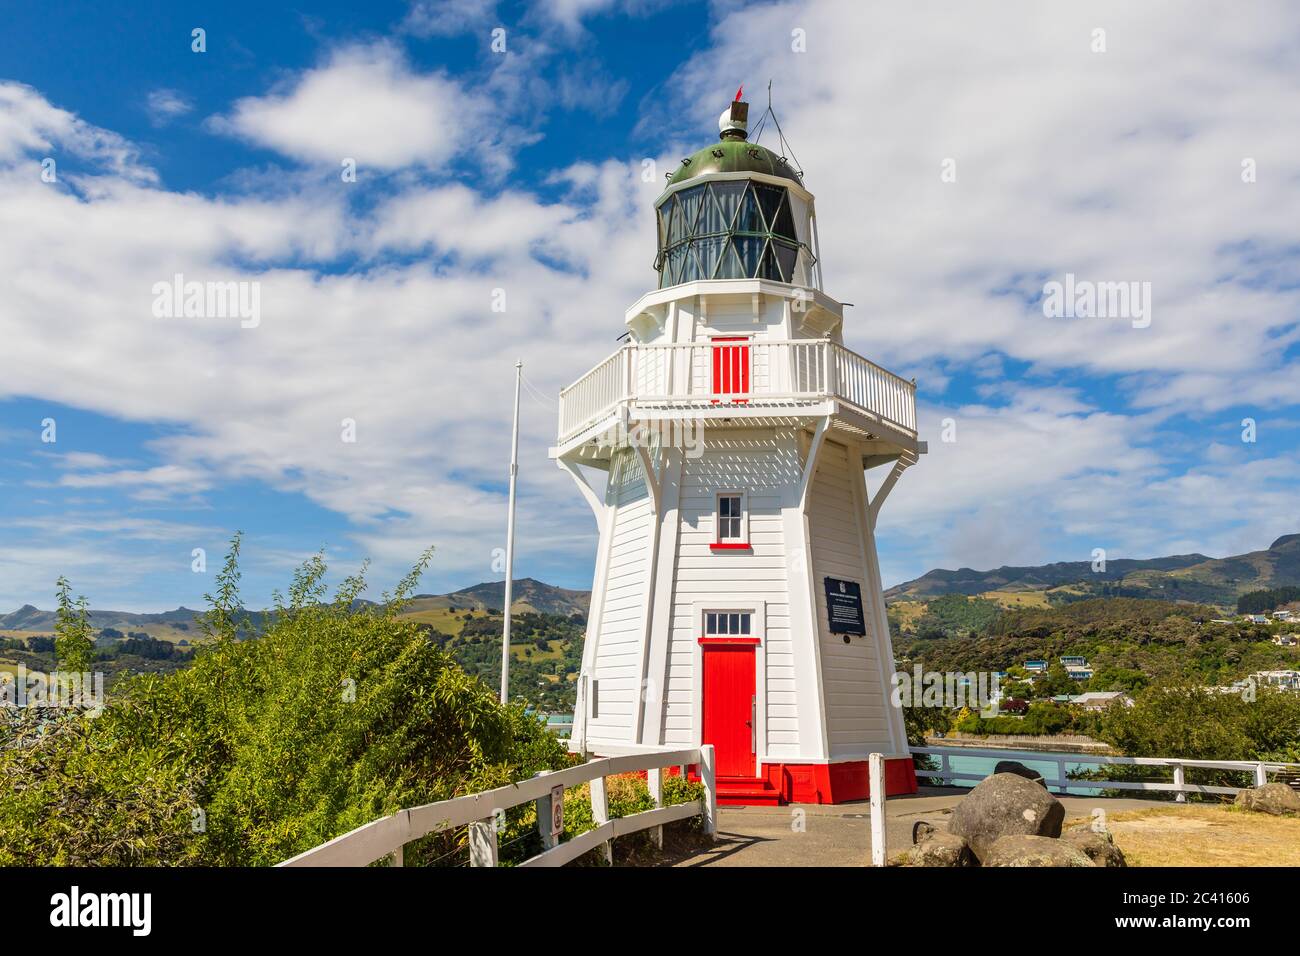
(1114, 158)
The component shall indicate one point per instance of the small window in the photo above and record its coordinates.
(730, 519)
(728, 624)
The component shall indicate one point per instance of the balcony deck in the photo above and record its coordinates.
(753, 381)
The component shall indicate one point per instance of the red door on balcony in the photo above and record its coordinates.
(731, 369)
(728, 707)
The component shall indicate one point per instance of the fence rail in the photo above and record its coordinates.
(773, 373)
(1259, 769)
(388, 836)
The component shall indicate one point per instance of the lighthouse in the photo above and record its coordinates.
(723, 450)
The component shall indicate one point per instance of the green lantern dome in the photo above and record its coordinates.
(733, 228)
(732, 155)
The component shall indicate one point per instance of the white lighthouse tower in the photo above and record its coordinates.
(737, 597)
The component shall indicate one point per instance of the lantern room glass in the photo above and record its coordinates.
(730, 229)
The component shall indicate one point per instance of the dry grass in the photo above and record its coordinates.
(1199, 835)
(1018, 599)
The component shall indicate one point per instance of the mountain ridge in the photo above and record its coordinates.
(1186, 577)
(529, 595)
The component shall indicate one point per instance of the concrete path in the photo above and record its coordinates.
(810, 835)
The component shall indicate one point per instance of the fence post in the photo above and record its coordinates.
(544, 812)
(1060, 776)
(876, 767)
(1261, 775)
(946, 769)
(710, 791)
(483, 843)
(398, 856)
(600, 814)
(1180, 781)
(654, 779)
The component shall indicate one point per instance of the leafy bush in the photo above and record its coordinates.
(338, 714)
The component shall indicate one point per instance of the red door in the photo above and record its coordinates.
(729, 707)
(730, 369)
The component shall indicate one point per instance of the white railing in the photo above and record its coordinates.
(1259, 769)
(775, 373)
(387, 836)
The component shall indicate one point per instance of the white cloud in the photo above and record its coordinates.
(365, 103)
(165, 105)
(450, 17)
(29, 124)
(1124, 165)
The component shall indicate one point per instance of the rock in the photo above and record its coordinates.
(1016, 767)
(1026, 850)
(1274, 798)
(1098, 846)
(937, 848)
(1005, 804)
(921, 830)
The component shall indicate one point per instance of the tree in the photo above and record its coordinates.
(74, 640)
(1055, 681)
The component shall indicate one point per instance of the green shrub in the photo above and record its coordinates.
(338, 714)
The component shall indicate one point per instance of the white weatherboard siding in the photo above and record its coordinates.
(763, 465)
(617, 661)
(855, 704)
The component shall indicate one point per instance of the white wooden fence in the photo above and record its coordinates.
(1259, 769)
(387, 836)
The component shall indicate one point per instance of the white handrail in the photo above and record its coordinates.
(387, 836)
(776, 373)
(1259, 768)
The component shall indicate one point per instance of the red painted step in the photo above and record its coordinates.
(747, 792)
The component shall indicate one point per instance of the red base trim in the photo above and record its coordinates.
(837, 782)
(813, 783)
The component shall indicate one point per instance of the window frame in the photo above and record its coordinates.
(740, 543)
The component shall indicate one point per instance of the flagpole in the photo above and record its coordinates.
(510, 544)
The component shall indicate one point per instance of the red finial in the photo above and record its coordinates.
(739, 91)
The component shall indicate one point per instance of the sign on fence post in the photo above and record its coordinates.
(557, 811)
(550, 815)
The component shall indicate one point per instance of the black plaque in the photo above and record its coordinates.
(844, 607)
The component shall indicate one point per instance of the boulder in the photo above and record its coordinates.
(1275, 798)
(1016, 767)
(1026, 850)
(1097, 845)
(1005, 804)
(936, 848)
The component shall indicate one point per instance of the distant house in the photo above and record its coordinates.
(1285, 640)
(1074, 661)
(1079, 673)
(1287, 680)
(1257, 618)
(1282, 615)
(1036, 667)
(1101, 699)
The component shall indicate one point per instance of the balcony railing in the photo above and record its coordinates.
(732, 373)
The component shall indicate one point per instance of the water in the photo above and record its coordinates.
(984, 766)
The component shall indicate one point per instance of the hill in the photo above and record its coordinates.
(546, 640)
(1182, 578)
(181, 623)
(1128, 641)
(529, 595)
